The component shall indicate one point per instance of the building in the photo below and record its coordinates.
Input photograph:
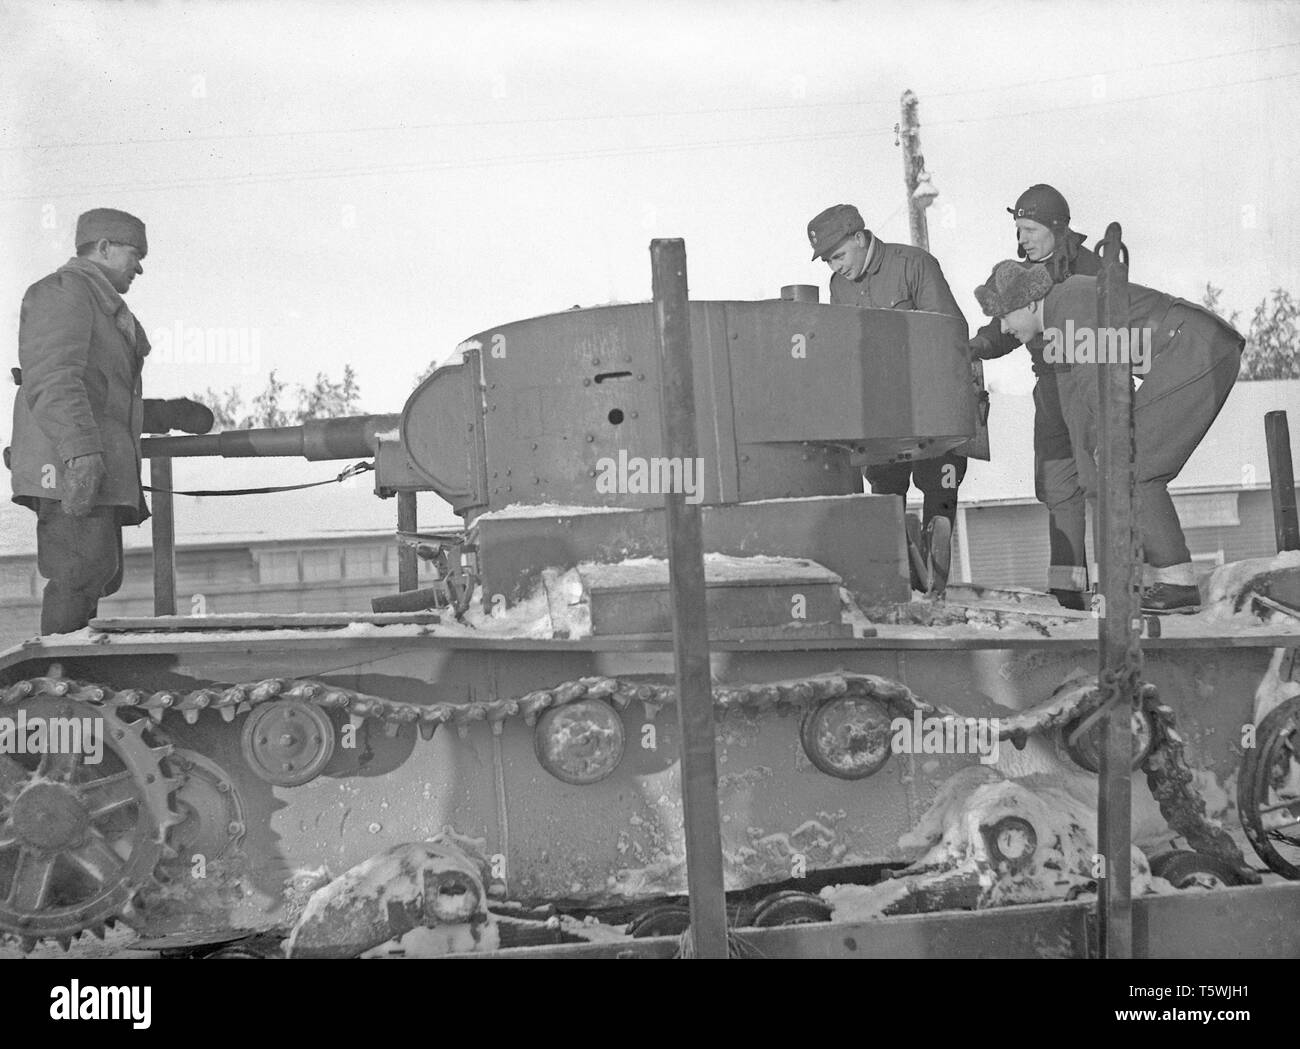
(328, 548)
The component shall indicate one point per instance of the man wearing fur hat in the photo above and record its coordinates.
(1043, 234)
(1188, 366)
(79, 414)
(872, 274)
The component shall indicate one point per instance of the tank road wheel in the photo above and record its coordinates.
(791, 907)
(288, 743)
(83, 823)
(847, 736)
(665, 919)
(1268, 790)
(580, 742)
(1085, 752)
(1186, 870)
(210, 808)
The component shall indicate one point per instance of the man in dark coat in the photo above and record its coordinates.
(79, 414)
(872, 274)
(1188, 359)
(1043, 235)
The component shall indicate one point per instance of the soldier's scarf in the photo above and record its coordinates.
(109, 301)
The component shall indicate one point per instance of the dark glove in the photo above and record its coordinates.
(179, 413)
(81, 480)
(979, 347)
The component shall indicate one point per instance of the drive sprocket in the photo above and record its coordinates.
(83, 825)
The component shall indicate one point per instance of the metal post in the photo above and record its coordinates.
(164, 536)
(1118, 627)
(1282, 480)
(699, 768)
(408, 565)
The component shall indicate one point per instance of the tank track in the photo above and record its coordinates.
(1168, 775)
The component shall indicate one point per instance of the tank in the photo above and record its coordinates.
(519, 708)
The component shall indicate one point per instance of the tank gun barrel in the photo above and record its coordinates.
(346, 438)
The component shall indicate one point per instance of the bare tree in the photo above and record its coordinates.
(324, 399)
(1272, 339)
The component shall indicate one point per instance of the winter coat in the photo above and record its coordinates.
(898, 277)
(991, 342)
(81, 389)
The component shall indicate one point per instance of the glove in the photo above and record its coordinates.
(81, 480)
(179, 413)
(978, 347)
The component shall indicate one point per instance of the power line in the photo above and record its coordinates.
(634, 115)
(413, 167)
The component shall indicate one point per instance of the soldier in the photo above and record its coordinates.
(873, 274)
(1043, 235)
(79, 414)
(1189, 359)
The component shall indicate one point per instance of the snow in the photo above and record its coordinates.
(1228, 587)
(718, 568)
(422, 942)
(950, 846)
(393, 893)
(1272, 690)
(520, 511)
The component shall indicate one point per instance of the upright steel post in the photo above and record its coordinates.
(408, 565)
(699, 768)
(1118, 627)
(1282, 480)
(162, 510)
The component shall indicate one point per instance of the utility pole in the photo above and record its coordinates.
(920, 195)
(914, 174)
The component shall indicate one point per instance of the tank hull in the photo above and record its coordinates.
(618, 840)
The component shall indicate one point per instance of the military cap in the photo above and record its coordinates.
(1012, 285)
(1043, 204)
(110, 224)
(832, 226)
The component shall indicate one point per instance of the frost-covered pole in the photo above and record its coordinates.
(699, 765)
(1120, 620)
(909, 135)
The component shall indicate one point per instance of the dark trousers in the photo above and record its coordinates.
(81, 557)
(1172, 410)
(1057, 486)
(937, 478)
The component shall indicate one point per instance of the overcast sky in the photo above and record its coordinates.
(371, 183)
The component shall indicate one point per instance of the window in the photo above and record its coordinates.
(322, 563)
(366, 562)
(1211, 510)
(277, 566)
